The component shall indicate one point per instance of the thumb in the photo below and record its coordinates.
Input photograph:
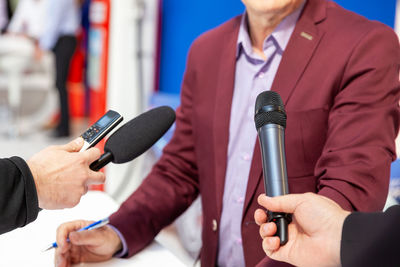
(286, 203)
(85, 238)
(73, 146)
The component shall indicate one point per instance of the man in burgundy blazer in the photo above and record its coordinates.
(339, 81)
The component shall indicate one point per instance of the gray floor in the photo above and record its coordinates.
(29, 142)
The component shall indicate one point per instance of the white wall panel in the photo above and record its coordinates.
(129, 84)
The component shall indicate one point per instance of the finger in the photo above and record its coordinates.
(86, 189)
(61, 260)
(73, 146)
(260, 216)
(270, 245)
(268, 230)
(286, 203)
(91, 154)
(96, 178)
(63, 232)
(87, 238)
(76, 255)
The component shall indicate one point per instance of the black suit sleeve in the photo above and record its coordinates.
(18, 198)
(371, 239)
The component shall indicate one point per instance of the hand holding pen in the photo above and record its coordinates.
(91, 226)
(95, 245)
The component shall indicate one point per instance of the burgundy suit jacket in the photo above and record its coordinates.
(339, 80)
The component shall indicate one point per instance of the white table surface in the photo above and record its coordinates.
(23, 247)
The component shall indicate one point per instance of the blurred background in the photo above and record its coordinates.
(64, 63)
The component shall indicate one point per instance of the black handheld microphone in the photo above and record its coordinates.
(135, 137)
(270, 120)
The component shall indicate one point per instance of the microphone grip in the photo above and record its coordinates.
(104, 159)
(282, 220)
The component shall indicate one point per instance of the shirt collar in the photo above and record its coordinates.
(280, 35)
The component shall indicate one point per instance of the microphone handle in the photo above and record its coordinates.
(272, 142)
(282, 220)
(104, 159)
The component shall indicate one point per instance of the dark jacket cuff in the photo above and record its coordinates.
(31, 198)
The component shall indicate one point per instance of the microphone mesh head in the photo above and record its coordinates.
(269, 109)
(139, 134)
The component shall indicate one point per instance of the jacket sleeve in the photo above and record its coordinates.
(354, 168)
(171, 186)
(371, 239)
(18, 198)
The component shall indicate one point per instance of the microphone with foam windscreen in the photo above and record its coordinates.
(270, 120)
(135, 137)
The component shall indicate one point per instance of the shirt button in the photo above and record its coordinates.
(246, 157)
(214, 225)
(261, 75)
(240, 200)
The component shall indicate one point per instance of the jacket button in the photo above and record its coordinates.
(214, 225)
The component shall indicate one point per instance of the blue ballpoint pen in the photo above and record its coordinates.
(92, 226)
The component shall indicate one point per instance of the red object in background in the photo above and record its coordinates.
(98, 56)
(77, 63)
(76, 90)
(99, 16)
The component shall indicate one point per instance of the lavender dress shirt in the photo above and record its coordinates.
(253, 75)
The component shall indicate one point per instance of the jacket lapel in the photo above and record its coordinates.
(223, 102)
(302, 44)
(301, 47)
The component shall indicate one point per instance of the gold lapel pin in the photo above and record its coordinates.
(306, 35)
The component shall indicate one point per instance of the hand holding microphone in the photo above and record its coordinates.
(315, 234)
(135, 137)
(61, 176)
(270, 120)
